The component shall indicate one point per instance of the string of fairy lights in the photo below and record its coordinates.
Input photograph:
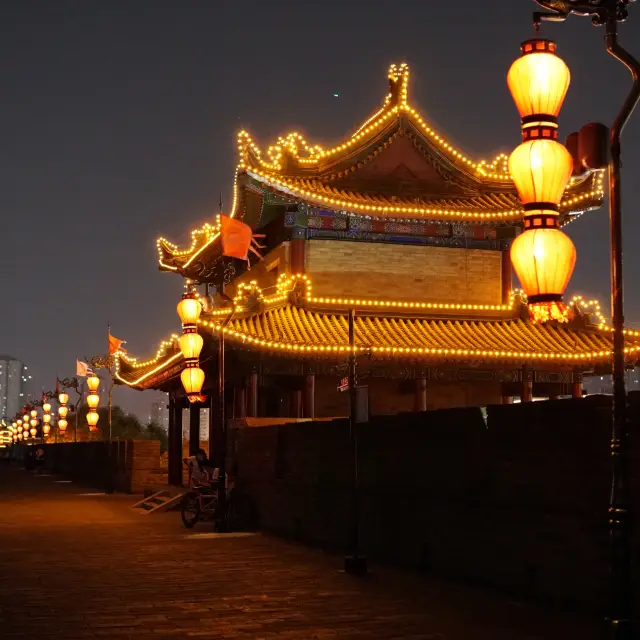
(295, 145)
(288, 286)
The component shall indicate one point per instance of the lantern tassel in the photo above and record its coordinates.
(541, 312)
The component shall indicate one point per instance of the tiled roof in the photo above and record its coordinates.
(291, 328)
(298, 332)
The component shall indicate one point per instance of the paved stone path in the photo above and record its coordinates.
(77, 565)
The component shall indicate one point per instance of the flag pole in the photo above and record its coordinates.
(111, 376)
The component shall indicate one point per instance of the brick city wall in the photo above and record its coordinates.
(519, 502)
(404, 272)
(134, 464)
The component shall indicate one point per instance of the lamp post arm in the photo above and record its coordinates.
(616, 50)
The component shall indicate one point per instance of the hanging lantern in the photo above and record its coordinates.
(63, 410)
(46, 428)
(189, 310)
(92, 420)
(19, 436)
(46, 407)
(541, 170)
(192, 380)
(63, 398)
(34, 413)
(93, 383)
(33, 432)
(191, 345)
(33, 422)
(62, 425)
(46, 418)
(92, 400)
(544, 260)
(542, 256)
(538, 82)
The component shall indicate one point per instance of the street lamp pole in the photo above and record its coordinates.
(619, 506)
(609, 13)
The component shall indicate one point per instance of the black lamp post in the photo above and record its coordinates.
(608, 13)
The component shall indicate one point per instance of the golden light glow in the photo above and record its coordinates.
(62, 425)
(93, 383)
(46, 428)
(191, 345)
(93, 399)
(541, 170)
(33, 422)
(34, 413)
(294, 146)
(46, 407)
(189, 310)
(92, 418)
(538, 81)
(63, 398)
(46, 418)
(192, 380)
(33, 432)
(63, 410)
(543, 260)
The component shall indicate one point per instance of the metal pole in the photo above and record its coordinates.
(621, 606)
(109, 407)
(354, 563)
(222, 489)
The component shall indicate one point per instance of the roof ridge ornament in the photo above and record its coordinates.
(398, 86)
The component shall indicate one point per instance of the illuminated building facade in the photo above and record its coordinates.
(414, 235)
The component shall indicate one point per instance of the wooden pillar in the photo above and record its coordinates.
(578, 378)
(174, 444)
(309, 399)
(297, 249)
(252, 395)
(421, 394)
(240, 410)
(296, 404)
(194, 428)
(507, 276)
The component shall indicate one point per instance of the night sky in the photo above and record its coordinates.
(119, 121)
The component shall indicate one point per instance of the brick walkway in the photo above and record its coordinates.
(86, 566)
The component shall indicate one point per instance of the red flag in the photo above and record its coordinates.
(236, 238)
(115, 345)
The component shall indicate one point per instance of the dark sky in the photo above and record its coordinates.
(119, 121)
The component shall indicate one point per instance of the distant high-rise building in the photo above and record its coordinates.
(159, 415)
(14, 380)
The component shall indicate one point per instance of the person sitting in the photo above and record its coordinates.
(203, 474)
(201, 470)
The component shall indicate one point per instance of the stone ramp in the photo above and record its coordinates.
(160, 501)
